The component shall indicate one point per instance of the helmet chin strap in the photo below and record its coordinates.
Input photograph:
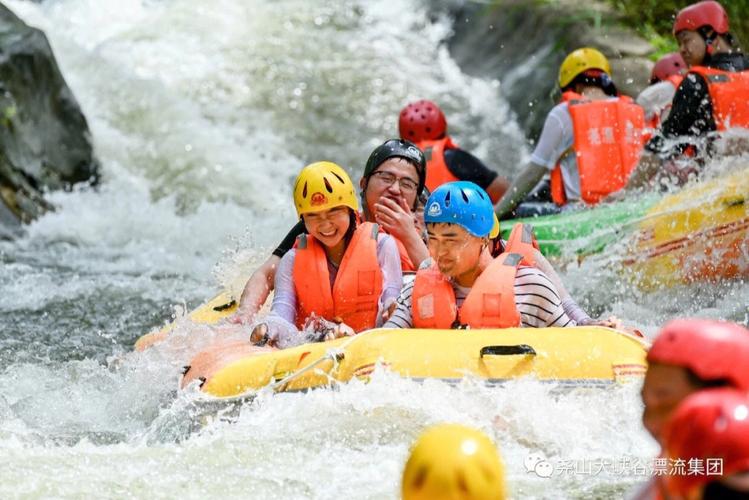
(709, 36)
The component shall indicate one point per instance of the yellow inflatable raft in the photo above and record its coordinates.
(699, 234)
(592, 356)
(218, 308)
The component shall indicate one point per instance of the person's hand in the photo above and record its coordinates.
(610, 322)
(395, 218)
(388, 311)
(259, 335)
(616, 324)
(338, 331)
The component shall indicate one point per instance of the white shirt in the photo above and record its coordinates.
(656, 100)
(536, 298)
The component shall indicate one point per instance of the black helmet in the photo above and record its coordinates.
(402, 149)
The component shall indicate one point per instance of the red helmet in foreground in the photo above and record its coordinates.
(709, 429)
(712, 350)
(422, 121)
(707, 13)
(668, 65)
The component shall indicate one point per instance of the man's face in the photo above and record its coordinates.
(455, 251)
(665, 386)
(395, 178)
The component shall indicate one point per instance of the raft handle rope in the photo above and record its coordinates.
(507, 350)
(334, 354)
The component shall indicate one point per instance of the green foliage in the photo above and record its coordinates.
(654, 19)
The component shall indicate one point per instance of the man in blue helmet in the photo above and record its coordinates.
(459, 286)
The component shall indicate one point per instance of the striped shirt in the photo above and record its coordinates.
(536, 298)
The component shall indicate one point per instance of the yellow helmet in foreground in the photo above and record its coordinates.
(582, 60)
(322, 186)
(451, 461)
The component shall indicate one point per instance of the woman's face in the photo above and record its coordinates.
(328, 226)
(396, 178)
(692, 47)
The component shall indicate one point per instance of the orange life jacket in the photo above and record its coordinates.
(357, 287)
(728, 93)
(437, 171)
(489, 304)
(607, 143)
(522, 241)
(406, 264)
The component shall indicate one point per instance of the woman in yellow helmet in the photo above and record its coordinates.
(340, 276)
(590, 142)
(451, 461)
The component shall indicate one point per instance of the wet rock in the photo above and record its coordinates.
(522, 44)
(45, 142)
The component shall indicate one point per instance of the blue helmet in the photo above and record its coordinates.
(462, 203)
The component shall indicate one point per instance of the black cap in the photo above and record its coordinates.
(399, 148)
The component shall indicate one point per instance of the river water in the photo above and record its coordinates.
(202, 113)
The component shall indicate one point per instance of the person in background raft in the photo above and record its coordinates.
(689, 356)
(390, 187)
(709, 435)
(590, 141)
(424, 124)
(712, 97)
(455, 287)
(665, 78)
(340, 276)
(451, 461)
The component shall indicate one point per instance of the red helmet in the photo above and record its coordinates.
(697, 15)
(422, 121)
(712, 350)
(668, 65)
(711, 425)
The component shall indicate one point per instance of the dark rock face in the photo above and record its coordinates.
(521, 43)
(44, 137)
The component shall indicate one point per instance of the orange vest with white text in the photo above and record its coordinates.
(608, 140)
(437, 171)
(357, 287)
(729, 93)
(489, 304)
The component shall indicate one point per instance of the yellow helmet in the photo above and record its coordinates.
(581, 60)
(322, 186)
(450, 461)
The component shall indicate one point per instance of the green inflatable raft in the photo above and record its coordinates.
(585, 231)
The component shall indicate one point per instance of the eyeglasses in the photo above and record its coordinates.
(407, 185)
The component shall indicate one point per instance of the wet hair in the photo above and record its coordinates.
(496, 246)
(353, 222)
(710, 35)
(595, 78)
